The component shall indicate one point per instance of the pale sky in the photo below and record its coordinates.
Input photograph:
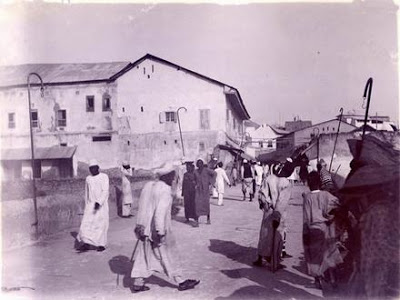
(286, 59)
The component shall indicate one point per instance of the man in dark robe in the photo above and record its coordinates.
(189, 192)
(204, 179)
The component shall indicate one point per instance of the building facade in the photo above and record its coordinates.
(375, 121)
(120, 111)
(303, 136)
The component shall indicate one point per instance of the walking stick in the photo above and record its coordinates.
(337, 134)
(134, 249)
(367, 89)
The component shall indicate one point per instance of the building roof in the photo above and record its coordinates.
(66, 74)
(60, 74)
(296, 125)
(55, 152)
(250, 123)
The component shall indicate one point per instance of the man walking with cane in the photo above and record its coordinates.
(156, 248)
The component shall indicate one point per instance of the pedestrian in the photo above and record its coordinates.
(127, 198)
(234, 174)
(247, 179)
(156, 248)
(219, 182)
(325, 177)
(205, 178)
(320, 244)
(189, 192)
(258, 174)
(274, 200)
(94, 227)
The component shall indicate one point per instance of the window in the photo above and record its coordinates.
(261, 144)
(327, 128)
(106, 102)
(11, 120)
(35, 118)
(101, 138)
(170, 116)
(202, 146)
(270, 144)
(37, 168)
(204, 119)
(323, 128)
(62, 118)
(333, 128)
(89, 103)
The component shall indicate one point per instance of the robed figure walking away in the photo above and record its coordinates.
(189, 192)
(156, 249)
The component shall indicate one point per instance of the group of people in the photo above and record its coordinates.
(156, 247)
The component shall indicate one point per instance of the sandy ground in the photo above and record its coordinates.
(220, 255)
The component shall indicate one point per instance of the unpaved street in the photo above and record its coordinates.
(220, 255)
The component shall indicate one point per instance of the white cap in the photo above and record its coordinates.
(244, 161)
(215, 158)
(289, 159)
(93, 163)
(167, 168)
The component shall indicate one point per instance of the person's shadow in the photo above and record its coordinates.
(278, 285)
(74, 234)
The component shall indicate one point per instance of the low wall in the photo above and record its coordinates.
(60, 208)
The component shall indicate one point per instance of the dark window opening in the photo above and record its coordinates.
(123, 109)
(141, 109)
(170, 116)
(63, 144)
(35, 119)
(62, 118)
(90, 103)
(37, 169)
(152, 68)
(270, 144)
(260, 144)
(333, 128)
(144, 71)
(165, 142)
(129, 143)
(176, 141)
(106, 102)
(76, 92)
(202, 147)
(11, 120)
(101, 138)
(148, 76)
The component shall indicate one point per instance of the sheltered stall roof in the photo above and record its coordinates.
(55, 152)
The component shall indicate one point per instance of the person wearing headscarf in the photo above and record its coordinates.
(247, 174)
(274, 201)
(189, 192)
(320, 244)
(325, 177)
(156, 249)
(126, 190)
(219, 183)
(94, 227)
(205, 178)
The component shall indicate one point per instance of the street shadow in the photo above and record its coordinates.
(121, 266)
(234, 199)
(160, 282)
(278, 285)
(302, 265)
(74, 234)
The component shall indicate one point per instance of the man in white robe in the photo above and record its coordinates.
(127, 198)
(94, 227)
(219, 183)
(156, 249)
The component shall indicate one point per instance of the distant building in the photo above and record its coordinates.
(375, 121)
(296, 124)
(303, 136)
(120, 111)
(263, 139)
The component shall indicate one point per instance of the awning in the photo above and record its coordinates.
(55, 152)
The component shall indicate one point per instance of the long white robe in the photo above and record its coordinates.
(94, 226)
(219, 180)
(154, 213)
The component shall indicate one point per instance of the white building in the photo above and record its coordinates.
(263, 139)
(375, 121)
(119, 111)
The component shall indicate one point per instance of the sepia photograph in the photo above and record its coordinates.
(200, 150)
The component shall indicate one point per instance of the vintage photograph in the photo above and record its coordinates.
(201, 150)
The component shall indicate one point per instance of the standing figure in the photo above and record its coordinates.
(127, 199)
(247, 179)
(205, 178)
(156, 248)
(189, 192)
(220, 186)
(320, 244)
(94, 227)
(258, 174)
(325, 177)
(274, 200)
(234, 174)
